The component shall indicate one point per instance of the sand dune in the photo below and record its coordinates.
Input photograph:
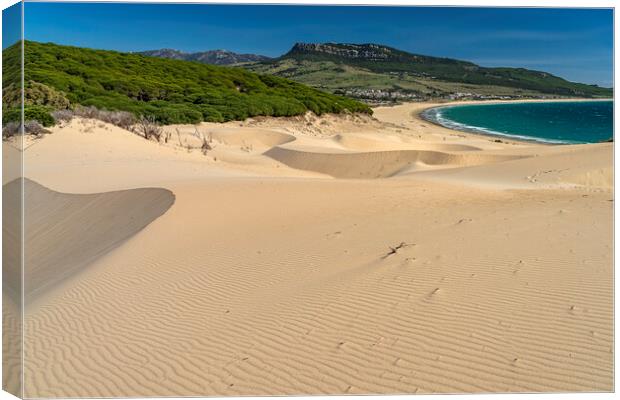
(11, 284)
(376, 164)
(375, 142)
(558, 167)
(11, 161)
(255, 137)
(252, 137)
(66, 232)
(474, 266)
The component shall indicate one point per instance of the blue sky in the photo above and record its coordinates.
(11, 24)
(576, 44)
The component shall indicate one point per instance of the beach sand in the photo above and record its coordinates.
(316, 255)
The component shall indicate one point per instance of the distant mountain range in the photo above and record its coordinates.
(377, 73)
(215, 57)
(373, 68)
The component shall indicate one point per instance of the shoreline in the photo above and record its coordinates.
(420, 114)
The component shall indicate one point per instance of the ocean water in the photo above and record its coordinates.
(551, 122)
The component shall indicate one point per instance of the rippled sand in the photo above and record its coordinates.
(315, 255)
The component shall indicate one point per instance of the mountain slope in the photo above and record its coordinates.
(173, 91)
(392, 69)
(215, 57)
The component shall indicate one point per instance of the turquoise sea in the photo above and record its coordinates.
(551, 122)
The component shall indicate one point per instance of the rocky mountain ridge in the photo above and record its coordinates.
(214, 57)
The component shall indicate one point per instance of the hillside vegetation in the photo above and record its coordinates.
(360, 68)
(172, 91)
(358, 82)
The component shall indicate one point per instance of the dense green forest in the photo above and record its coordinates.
(172, 91)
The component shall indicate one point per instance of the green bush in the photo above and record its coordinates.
(31, 113)
(34, 94)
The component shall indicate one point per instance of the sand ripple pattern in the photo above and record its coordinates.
(300, 293)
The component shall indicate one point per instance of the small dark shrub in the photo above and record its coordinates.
(205, 146)
(148, 127)
(63, 115)
(34, 128)
(10, 129)
(87, 112)
(122, 119)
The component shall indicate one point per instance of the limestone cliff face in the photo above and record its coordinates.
(358, 51)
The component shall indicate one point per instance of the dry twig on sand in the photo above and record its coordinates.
(394, 250)
(206, 146)
(179, 137)
(147, 127)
